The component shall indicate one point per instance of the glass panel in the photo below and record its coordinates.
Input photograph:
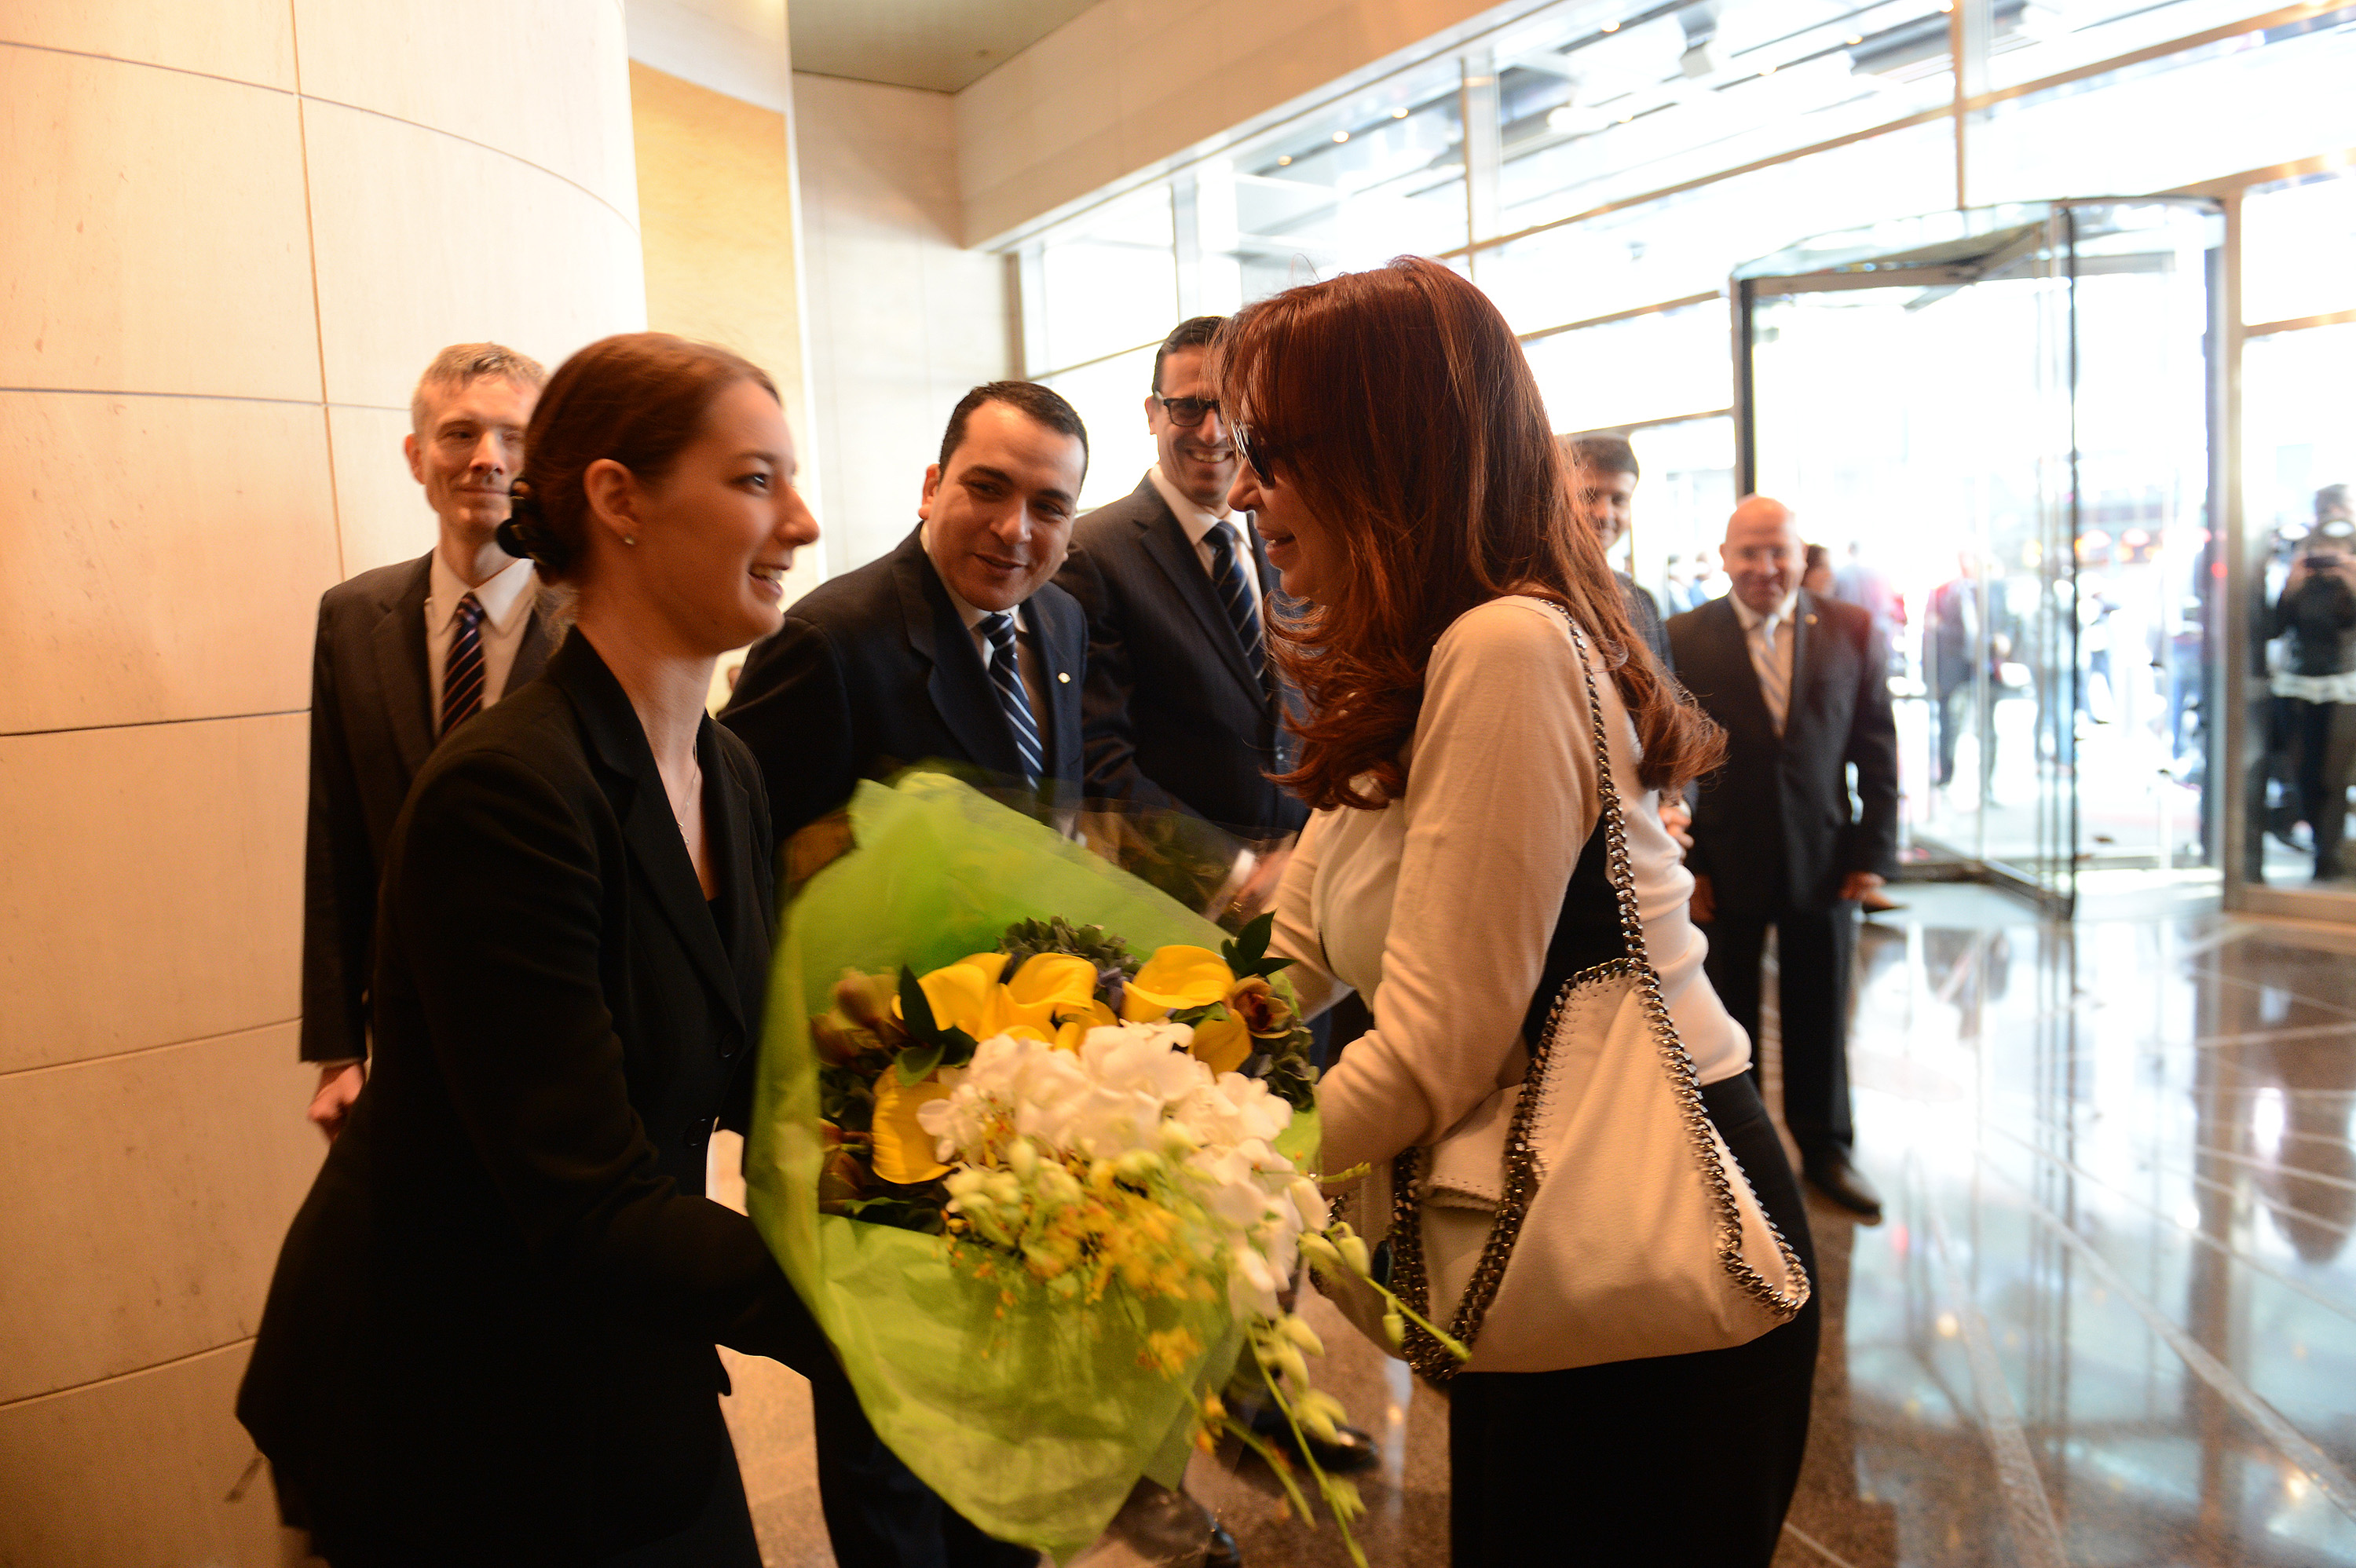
(2299, 421)
(2030, 39)
(2244, 102)
(1685, 244)
(1682, 503)
(2298, 248)
(1646, 367)
(1111, 280)
(1595, 111)
(1110, 397)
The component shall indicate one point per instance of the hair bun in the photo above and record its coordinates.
(526, 534)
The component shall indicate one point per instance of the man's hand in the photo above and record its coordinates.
(1677, 817)
(340, 1085)
(1856, 884)
(1704, 906)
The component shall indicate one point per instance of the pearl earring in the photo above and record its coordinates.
(629, 538)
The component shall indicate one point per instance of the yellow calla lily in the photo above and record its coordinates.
(1180, 976)
(1222, 1045)
(1136, 1008)
(1049, 983)
(903, 1150)
(965, 994)
(1073, 1027)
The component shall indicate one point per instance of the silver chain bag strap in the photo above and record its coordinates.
(1604, 1219)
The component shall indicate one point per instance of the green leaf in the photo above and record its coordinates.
(1251, 942)
(916, 1063)
(956, 1047)
(916, 1011)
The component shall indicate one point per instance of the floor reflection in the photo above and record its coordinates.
(2109, 1319)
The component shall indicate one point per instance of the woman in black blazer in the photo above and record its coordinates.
(489, 1339)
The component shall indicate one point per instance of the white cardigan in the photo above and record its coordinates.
(1439, 907)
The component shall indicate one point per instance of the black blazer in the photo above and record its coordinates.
(872, 672)
(489, 1337)
(1175, 717)
(371, 730)
(1775, 826)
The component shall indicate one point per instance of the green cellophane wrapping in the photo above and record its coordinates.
(1034, 1421)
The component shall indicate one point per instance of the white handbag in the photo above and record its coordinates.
(1591, 1213)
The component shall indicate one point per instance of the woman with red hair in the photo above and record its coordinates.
(1399, 467)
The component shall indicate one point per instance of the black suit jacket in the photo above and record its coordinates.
(489, 1337)
(1175, 717)
(1775, 828)
(371, 730)
(874, 671)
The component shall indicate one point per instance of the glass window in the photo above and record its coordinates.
(1110, 396)
(2245, 103)
(1112, 282)
(1648, 367)
(2298, 248)
(2029, 39)
(1682, 502)
(1594, 112)
(1686, 243)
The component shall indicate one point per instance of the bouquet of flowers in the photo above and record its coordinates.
(1039, 1193)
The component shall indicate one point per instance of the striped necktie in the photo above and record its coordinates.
(1006, 674)
(462, 672)
(1235, 592)
(1775, 682)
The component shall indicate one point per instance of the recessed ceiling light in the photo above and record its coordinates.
(1854, 38)
(1341, 136)
(1625, 118)
(1766, 71)
(1610, 26)
(1399, 113)
(1282, 161)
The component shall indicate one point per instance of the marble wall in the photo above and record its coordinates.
(237, 233)
(1129, 84)
(902, 320)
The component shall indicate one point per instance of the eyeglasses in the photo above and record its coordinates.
(1188, 412)
(1261, 454)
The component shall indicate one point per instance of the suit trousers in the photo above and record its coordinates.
(878, 1514)
(1670, 1462)
(1816, 952)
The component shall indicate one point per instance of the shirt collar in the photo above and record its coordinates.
(1198, 522)
(1750, 618)
(499, 597)
(966, 612)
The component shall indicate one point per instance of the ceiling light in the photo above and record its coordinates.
(1399, 113)
(1284, 160)
(1610, 26)
(1341, 136)
(1854, 38)
(1625, 118)
(1766, 71)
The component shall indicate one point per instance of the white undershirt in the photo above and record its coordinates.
(1440, 907)
(506, 602)
(1199, 525)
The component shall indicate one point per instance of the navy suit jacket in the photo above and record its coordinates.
(371, 730)
(1775, 828)
(1175, 718)
(873, 672)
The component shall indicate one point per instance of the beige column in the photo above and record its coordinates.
(237, 231)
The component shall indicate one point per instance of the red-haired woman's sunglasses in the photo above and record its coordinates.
(1260, 455)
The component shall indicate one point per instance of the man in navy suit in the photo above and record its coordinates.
(1802, 686)
(382, 696)
(1183, 707)
(955, 647)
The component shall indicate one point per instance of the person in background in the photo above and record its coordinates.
(1799, 683)
(404, 654)
(1952, 649)
(1816, 575)
(1604, 476)
(2315, 687)
(1183, 710)
(956, 647)
(1859, 584)
(489, 1337)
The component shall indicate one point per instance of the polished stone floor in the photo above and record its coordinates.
(2109, 1319)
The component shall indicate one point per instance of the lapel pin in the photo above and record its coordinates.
(1810, 619)
(1064, 676)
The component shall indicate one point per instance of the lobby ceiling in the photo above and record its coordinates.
(940, 45)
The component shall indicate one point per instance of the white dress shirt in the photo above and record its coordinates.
(1785, 641)
(507, 601)
(1026, 647)
(1199, 525)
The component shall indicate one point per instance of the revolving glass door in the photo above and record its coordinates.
(1997, 421)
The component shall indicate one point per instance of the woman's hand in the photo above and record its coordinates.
(340, 1085)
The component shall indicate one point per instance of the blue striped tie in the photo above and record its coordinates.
(462, 672)
(1228, 577)
(1006, 674)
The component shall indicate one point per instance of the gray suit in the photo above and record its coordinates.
(371, 730)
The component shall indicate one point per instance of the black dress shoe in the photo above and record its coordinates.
(1845, 1185)
(1349, 1450)
(1223, 1552)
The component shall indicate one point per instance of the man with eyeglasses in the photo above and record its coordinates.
(1183, 707)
